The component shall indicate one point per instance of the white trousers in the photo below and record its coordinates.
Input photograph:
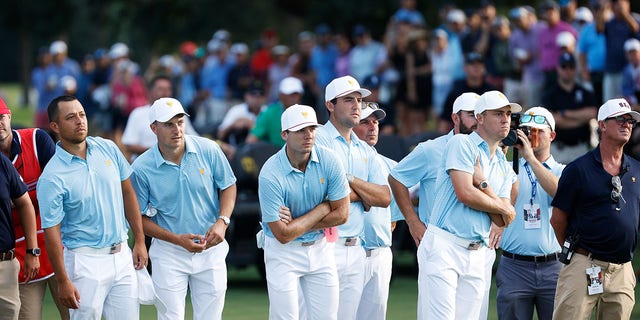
(107, 284)
(491, 258)
(175, 269)
(295, 271)
(377, 275)
(451, 279)
(350, 261)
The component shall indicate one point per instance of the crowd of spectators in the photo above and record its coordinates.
(417, 69)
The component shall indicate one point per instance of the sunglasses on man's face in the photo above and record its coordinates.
(620, 120)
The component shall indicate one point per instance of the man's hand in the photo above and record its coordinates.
(285, 215)
(215, 234)
(194, 243)
(495, 235)
(31, 267)
(524, 146)
(417, 231)
(509, 216)
(478, 176)
(69, 295)
(140, 256)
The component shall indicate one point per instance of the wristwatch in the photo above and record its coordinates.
(350, 177)
(34, 251)
(225, 219)
(483, 185)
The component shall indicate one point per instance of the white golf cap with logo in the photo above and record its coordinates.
(539, 111)
(163, 109)
(616, 107)
(297, 117)
(492, 100)
(465, 102)
(343, 86)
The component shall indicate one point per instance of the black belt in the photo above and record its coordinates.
(7, 255)
(543, 258)
(584, 252)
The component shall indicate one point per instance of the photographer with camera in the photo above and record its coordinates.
(597, 202)
(529, 246)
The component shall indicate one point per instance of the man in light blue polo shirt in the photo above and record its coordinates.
(529, 267)
(303, 189)
(378, 225)
(187, 191)
(422, 165)
(369, 188)
(452, 257)
(88, 203)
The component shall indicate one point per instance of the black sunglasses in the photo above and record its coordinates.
(620, 120)
(616, 192)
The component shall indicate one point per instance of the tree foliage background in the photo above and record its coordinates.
(154, 27)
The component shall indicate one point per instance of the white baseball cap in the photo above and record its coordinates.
(616, 107)
(584, 14)
(372, 108)
(466, 101)
(539, 111)
(290, 85)
(298, 117)
(340, 87)
(58, 47)
(118, 50)
(492, 100)
(565, 39)
(456, 15)
(163, 109)
(632, 44)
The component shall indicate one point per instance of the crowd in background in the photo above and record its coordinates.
(417, 69)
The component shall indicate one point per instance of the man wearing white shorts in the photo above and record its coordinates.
(303, 189)
(187, 191)
(87, 204)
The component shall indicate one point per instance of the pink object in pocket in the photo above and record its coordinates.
(331, 234)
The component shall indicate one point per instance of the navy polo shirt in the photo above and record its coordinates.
(11, 187)
(584, 192)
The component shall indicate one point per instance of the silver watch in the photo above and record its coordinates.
(225, 219)
(350, 177)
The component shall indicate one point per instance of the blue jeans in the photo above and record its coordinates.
(523, 285)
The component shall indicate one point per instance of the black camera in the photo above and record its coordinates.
(512, 137)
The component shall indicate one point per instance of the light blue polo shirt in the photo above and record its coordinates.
(377, 221)
(539, 241)
(85, 196)
(280, 184)
(185, 196)
(460, 154)
(422, 166)
(357, 159)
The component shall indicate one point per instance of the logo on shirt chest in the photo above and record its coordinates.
(201, 171)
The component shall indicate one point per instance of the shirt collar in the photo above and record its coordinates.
(67, 157)
(334, 134)
(188, 148)
(286, 165)
(16, 149)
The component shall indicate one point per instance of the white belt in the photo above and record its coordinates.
(349, 241)
(106, 250)
(465, 243)
(374, 252)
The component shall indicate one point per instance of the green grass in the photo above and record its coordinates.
(247, 294)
